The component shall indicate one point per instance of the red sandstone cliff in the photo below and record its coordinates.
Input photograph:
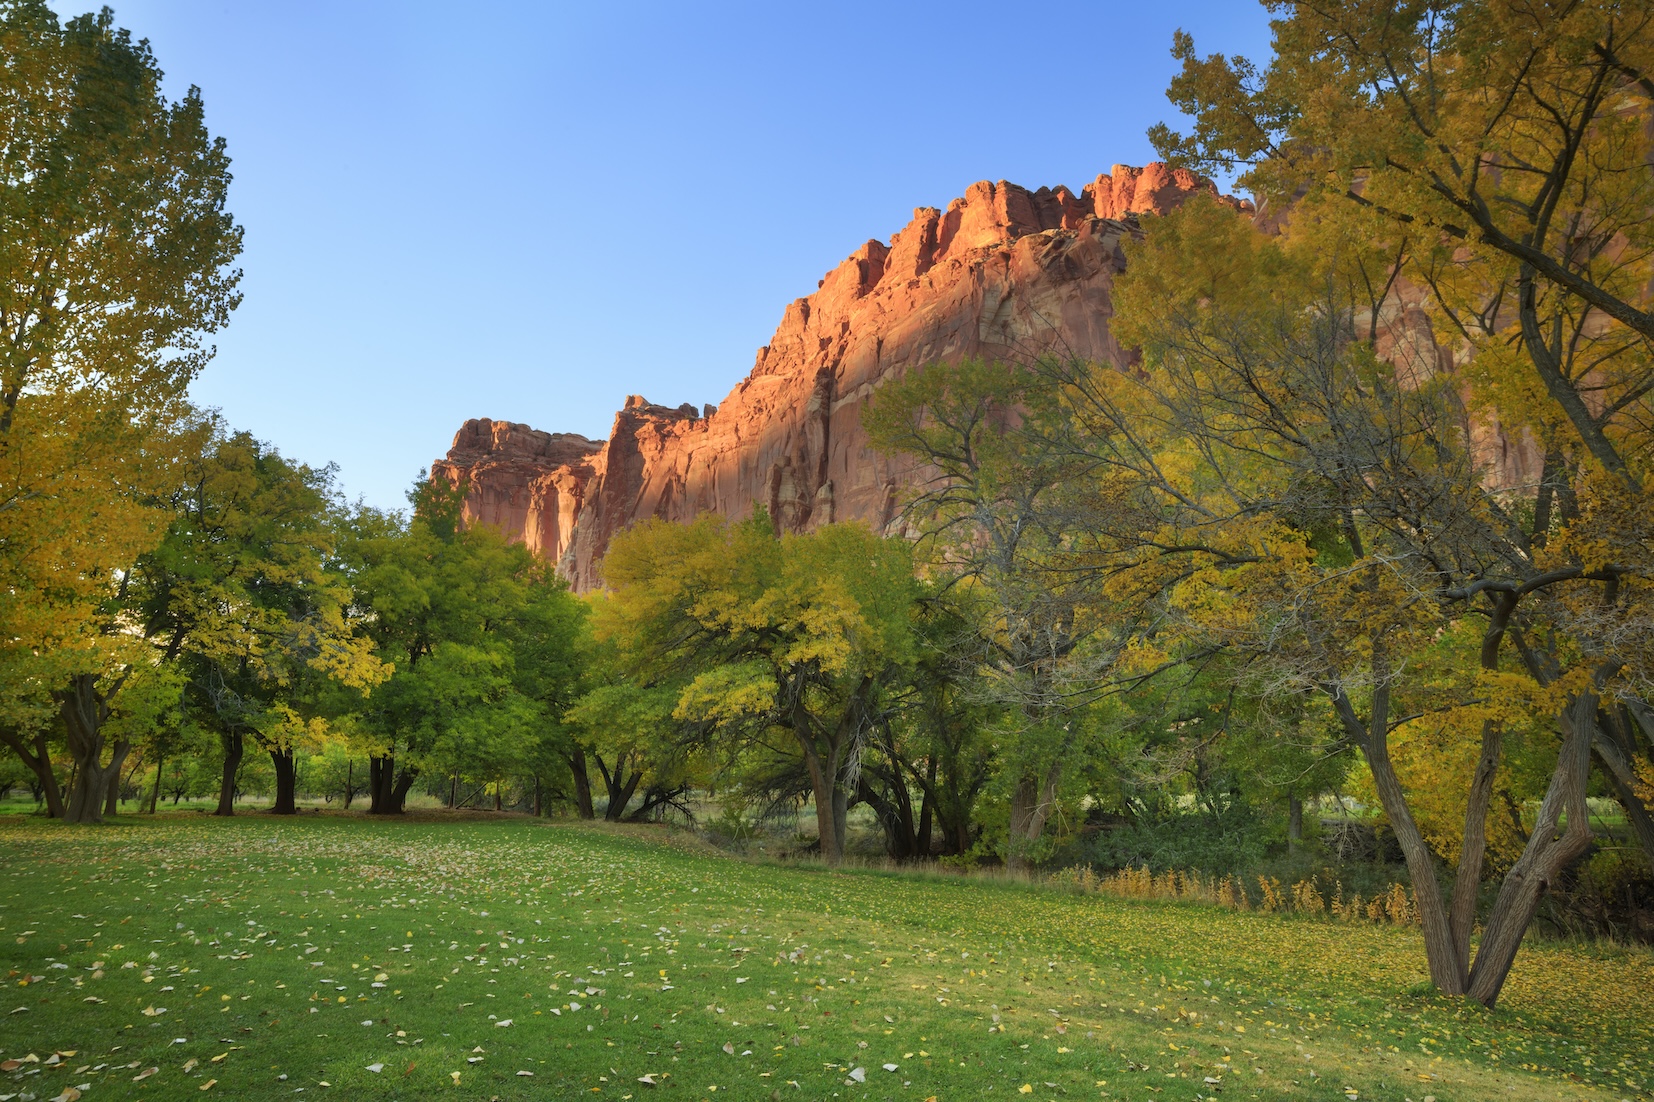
(1002, 272)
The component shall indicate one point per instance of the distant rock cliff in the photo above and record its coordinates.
(1002, 272)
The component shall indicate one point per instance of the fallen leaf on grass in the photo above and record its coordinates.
(145, 1074)
(376, 1068)
(208, 1085)
(69, 1095)
(191, 1064)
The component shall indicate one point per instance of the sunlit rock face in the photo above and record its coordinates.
(1002, 273)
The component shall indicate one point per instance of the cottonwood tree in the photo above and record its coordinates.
(776, 642)
(1321, 512)
(1510, 135)
(241, 594)
(991, 514)
(448, 605)
(114, 267)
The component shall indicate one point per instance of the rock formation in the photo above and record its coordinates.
(1002, 273)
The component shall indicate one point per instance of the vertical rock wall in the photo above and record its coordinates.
(1002, 273)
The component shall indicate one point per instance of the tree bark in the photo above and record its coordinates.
(39, 761)
(927, 813)
(155, 793)
(399, 789)
(350, 781)
(1447, 970)
(582, 783)
(234, 748)
(84, 710)
(286, 782)
(1294, 822)
(1032, 801)
(1550, 849)
(382, 785)
(1620, 780)
(112, 797)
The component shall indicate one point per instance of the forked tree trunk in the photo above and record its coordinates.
(1032, 801)
(1551, 848)
(287, 782)
(234, 748)
(400, 783)
(38, 757)
(84, 710)
(927, 813)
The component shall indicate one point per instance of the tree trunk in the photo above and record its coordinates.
(620, 794)
(453, 790)
(1294, 822)
(234, 747)
(286, 782)
(1621, 781)
(1032, 801)
(536, 795)
(350, 781)
(1549, 851)
(155, 793)
(112, 799)
(822, 786)
(1447, 969)
(84, 712)
(927, 813)
(382, 785)
(39, 761)
(399, 790)
(582, 783)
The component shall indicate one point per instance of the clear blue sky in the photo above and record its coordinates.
(528, 211)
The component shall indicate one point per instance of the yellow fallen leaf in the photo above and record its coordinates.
(1026, 1088)
(208, 1085)
(190, 1064)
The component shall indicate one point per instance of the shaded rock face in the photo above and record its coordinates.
(1002, 273)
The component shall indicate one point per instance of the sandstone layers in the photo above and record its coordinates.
(1002, 273)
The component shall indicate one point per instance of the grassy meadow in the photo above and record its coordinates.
(502, 957)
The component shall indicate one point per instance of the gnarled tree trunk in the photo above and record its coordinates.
(84, 710)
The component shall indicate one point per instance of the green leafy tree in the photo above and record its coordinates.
(114, 266)
(793, 638)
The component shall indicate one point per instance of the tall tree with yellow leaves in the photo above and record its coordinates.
(115, 263)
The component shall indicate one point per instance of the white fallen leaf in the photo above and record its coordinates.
(859, 1074)
(502, 1022)
(376, 1068)
(527, 1073)
(368, 1021)
(890, 1067)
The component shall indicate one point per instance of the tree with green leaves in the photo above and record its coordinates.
(243, 595)
(993, 518)
(480, 633)
(115, 265)
(780, 644)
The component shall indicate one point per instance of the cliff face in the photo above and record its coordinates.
(1001, 273)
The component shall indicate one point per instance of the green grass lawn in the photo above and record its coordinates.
(503, 957)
